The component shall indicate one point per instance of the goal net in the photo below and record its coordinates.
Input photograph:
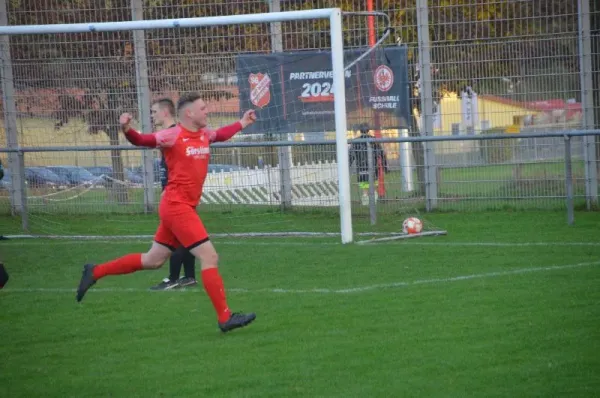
(325, 85)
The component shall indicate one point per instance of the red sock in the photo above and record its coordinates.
(123, 265)
(213, 284)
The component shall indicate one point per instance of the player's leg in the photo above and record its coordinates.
(175, 262)
(153, 259)
(204, 251)
(190, 231)
(164, 243)
(189, 269)
(213, 285)
(363, 184)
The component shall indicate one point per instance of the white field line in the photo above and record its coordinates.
(148, 242)
(356, 289)
(504, 244)
(277, 242)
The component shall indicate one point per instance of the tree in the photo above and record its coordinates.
(109, 90)
(85, 62)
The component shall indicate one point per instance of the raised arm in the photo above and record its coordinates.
(137, 139)
(226, 132)
(133, 136)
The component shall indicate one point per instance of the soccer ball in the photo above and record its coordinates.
(412, 225)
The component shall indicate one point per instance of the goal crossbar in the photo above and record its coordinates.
(337, 61)
(196, 22)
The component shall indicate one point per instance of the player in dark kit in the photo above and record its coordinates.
(186, 148)
(359, 154)
(163, 116)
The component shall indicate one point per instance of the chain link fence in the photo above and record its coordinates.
(472, 68)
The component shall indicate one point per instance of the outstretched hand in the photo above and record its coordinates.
(125, 121)
(248, 118)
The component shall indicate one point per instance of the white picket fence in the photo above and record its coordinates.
(313, 184)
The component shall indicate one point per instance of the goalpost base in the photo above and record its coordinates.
(401, 236)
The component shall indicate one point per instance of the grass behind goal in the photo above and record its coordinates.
(505, 305)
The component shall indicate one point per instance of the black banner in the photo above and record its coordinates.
(294, 92)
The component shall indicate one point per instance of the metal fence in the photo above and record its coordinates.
(530, 171)
(475, 68)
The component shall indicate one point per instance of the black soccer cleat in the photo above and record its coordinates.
(237, 320)
(87, 281)
(166, 284)
(186, 281)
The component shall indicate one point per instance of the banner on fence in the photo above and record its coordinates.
(294, 92)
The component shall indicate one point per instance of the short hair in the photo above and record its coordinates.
(167, 104)
(188, 98)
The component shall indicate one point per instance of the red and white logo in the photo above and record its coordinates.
(384, 78)
(260, 85)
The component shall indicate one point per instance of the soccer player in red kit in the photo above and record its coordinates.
(186, 151)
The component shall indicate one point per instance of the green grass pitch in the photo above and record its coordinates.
(505, 305)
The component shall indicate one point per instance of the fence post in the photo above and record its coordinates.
(569, 181)
(587, 103)
(22, 193)
(143, 98)
(431, 186)
(371, 168)
(284, 154)
(10, 115)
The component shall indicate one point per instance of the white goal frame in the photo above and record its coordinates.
(337, 60)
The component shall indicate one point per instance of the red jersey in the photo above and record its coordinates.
(187, 155)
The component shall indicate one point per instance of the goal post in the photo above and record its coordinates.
(337, 61)
(334, 15)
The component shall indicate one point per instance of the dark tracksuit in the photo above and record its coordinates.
(359, 154)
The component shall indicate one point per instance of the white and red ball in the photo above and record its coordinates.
(412, 225)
